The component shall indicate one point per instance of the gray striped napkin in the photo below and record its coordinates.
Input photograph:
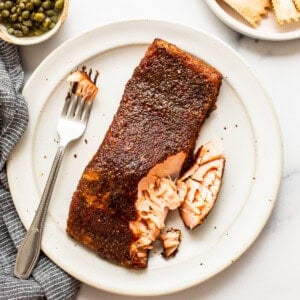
(47, 280)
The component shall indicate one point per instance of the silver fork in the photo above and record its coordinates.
(71, 125)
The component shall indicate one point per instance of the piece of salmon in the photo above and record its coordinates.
(171, 240)
(126, 190)
(82, 85)
(198, 188)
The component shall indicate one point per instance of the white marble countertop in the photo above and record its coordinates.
(270, 269)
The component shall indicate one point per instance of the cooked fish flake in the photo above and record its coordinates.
(171, 240)
(198, 188)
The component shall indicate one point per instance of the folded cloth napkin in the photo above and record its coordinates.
(47, 280)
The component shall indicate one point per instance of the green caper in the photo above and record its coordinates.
(18, 33)
(20, 18)
(59, 4)
(27, 23)
(8, 4)
(43, 29)
(22, 5)
(29, 5)
(36, 2)
(13, 9)
(2, 5)
(14, 17)
(39, 17)
(25, 14)
(47, 4)
(19, 10)
(10, 30)
(46, 23)
(16, 26)
(38, 32)
(5, 13)
(54, 19)
(50, 12)
(52, 25)
(24, 29)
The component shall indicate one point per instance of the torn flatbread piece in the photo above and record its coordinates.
(285, 11)
(250, 10)
(297, 4)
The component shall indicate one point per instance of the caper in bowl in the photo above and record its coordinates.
(27, 22)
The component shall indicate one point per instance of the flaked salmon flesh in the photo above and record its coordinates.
(194, 193)
(157, 195)
(171, 240)
(85, 88)
(198, 188)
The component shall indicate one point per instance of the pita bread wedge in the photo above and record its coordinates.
(285, 11)
(250, 10)
(297, 4)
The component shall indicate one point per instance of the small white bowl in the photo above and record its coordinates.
(25, 41)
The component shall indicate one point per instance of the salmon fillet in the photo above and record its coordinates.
(121, 200)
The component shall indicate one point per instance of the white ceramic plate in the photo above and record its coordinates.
(244, 120)
(268, 29)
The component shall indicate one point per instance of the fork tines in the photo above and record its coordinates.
(76, 106)
(89, 74)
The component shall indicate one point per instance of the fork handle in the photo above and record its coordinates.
(29, 250)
